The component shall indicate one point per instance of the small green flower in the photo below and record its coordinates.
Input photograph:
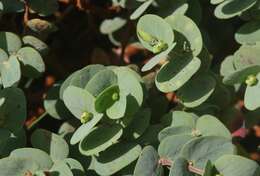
(159, 47)
(251, 80)
(86, 117)
(145, 36)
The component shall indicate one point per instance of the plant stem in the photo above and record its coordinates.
(191, 168)
(195, 170)
(28, 83)
(165, 162)
(29, 127)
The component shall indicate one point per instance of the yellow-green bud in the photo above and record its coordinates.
(145, 36)
(115, 96)
(86, 117)
(251, 80)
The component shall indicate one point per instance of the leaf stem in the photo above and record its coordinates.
(195, 170)
(26, 13)
(30, 126)
(28, 83)
(191, 168)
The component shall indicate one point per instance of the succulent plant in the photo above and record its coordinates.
(172, 112)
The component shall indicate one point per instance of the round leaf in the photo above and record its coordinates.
(68, 127)
(170, 7)
(61, 168)
(17, 166)
(248, 33)
(230, 165)
(211, 126)
(79, 101)
(197, 90)
(36, 43)
(84, 129)
(100, 139)
(111, 25)
(131, 93)
(141, 9)
(116, 157)
(105, 99)
(37, 156)
(75, 167)
(178, 130)
(186, 27)
(81, 77)
(240, 76)
(10, 42)
(231, 8)
(139, 124)
(51, 143)
(149, 160)
(118, 109)
(32, 62)
(202, 149)
(4, 135)
(16, 140)
(180, 118)
(227, 66)
(54, 105)
(10, 71)
(149, 137)
(171, 146)
(101, 81)
(176, 73)
(11, 6)
(3, 56)
(246, 56)
(12, 109)
(216, 1)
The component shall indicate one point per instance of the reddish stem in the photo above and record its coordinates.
(191, 168)
(26, 13)
(195, 170)
(165, 162)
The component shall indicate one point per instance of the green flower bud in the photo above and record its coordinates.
(159, 47)
(86, 117)
(251, 80)
(145, 36)
(115, 96)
